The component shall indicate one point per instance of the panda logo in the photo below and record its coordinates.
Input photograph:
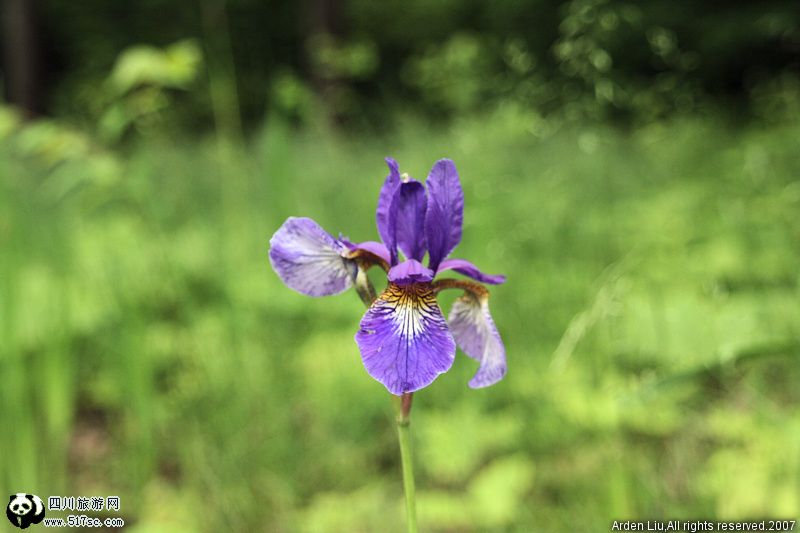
(25, 509)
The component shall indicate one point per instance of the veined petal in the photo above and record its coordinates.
(462, 266)
(445, 213)
(410, 219)
(475, 333)
(309, 260)
(404, 340)
(383, 218)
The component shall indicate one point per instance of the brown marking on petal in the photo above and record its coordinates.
(477, 290)
(412, 304)
(367, 259)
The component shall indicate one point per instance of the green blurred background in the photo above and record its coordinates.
(632, 167)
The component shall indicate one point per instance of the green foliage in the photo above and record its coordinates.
(335, 60)
(175, 66)
(651, 319)
(580, 59)
(138, 86)
(456, 76)
(596, 34)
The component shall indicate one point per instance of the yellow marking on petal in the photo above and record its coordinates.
(412, 304)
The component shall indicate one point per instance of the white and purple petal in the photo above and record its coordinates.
(409, 216)
(462, 266)
(445, 214)
(404, 339)
(383, 215)
(475, 333)
(309, 260)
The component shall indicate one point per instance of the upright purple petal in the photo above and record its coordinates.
(384, 221)
(410, 219)
(462, 266)
(445, 214)
(309, 260)
(404, 340)
(475, 333)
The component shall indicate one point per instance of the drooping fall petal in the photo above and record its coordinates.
(404, 340)
(475, 333)
(309, 260)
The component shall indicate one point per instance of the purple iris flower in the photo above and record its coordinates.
(404, 339)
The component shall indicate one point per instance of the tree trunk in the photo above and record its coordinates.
(20, 43)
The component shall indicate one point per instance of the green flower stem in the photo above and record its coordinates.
(406, 458)
(367, 294)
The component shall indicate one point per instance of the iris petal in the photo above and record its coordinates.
(410, 271)
(462, 266)
(374, 248)
(404, 340)
(445, 213)
(309, 260)
(475, 333)
(383, 216)
(410, 219)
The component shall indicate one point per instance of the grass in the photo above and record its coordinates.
(651, 317)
